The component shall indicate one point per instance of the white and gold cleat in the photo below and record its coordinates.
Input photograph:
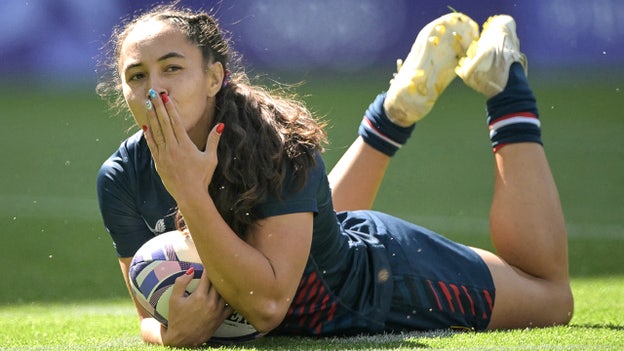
(486, 65)
(429, 67)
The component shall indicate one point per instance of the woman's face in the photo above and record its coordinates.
(157, 55)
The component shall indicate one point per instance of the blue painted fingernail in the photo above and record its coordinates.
(148, 104)
(152, 94)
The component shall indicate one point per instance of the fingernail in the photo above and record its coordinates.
(220, 128)
(144, 127)
(148, 104)
(152, 94)
(164, 97)
(190, 271)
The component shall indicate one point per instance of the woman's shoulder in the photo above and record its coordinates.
(134, 145)
(129, 150)
(132, 155)
(314, 173)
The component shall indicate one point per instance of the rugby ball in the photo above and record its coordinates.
(154, 269)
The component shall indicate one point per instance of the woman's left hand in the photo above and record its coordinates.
(183, 168)
(194, 318)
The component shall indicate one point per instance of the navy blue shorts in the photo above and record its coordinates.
(437, 283)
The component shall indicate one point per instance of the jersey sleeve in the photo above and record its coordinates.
(294, 200)
(115, 190)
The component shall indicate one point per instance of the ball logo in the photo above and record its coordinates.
(237, 318)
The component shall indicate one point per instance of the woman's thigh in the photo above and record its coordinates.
(523, 300)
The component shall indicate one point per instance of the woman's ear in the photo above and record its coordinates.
(214, 78)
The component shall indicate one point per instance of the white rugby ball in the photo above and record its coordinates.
(154, 269)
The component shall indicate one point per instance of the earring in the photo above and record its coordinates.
(226, 78)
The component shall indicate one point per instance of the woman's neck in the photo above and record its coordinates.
(199, 132)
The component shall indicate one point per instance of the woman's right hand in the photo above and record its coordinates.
(194, 318)
(184, 168)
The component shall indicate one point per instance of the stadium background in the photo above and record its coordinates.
(58, 39)
(56, 132)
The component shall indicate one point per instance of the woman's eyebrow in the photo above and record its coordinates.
(164, 57)
(172, 54)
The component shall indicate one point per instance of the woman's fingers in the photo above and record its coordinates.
(163, 123)
(204, 292)
(165, 133)
(181, 282)
(152, 130)
(213, 138)
(222, 309)
(177, 128)
(204, 283)
(174, 152)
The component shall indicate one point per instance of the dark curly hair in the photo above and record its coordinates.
(268, 132)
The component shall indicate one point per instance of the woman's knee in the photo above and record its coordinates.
(564, 302)
(532, 304)
(524, 301)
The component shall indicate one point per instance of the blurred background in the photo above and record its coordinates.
(58, 39)
(56, 131)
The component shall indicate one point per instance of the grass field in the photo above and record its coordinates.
(61, 285)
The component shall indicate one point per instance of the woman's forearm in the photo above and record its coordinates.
(242, 275)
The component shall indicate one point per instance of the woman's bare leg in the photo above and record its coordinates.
(426, 72)
(530, 270)
(528, 231)
(356, 178)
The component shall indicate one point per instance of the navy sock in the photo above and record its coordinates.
(380, 132)
(512, 114)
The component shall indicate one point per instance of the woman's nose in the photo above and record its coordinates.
(157, 85)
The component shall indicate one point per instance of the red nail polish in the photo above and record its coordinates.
(190, 271)
(220, 128)
(144, 127)
(164, 97)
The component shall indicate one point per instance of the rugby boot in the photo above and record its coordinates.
(429, 67)
(486, 65)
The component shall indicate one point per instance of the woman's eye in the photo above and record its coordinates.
(172, 68)
(136, 76)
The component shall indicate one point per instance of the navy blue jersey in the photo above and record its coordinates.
(366, 272)
(134, 203)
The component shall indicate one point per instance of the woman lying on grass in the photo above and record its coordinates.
(296, 251)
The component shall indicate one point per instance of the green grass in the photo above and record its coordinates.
(61, 285)
(111, 325)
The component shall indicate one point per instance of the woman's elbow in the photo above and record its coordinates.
(268, 316)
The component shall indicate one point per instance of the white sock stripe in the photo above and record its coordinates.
(368, 125)
(513, 120)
